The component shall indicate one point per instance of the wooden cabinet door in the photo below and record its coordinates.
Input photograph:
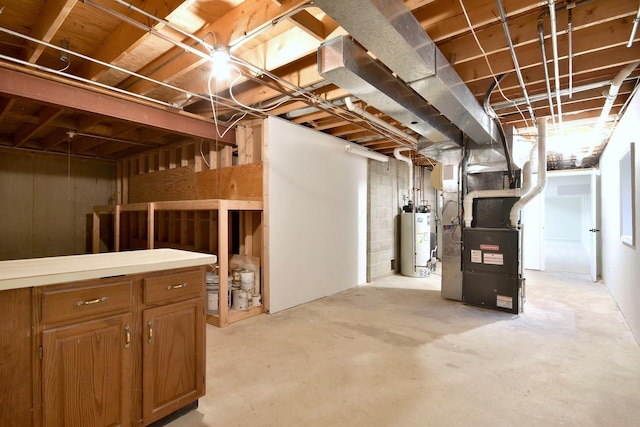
(173, 357)
(86, 374)
(16, 403)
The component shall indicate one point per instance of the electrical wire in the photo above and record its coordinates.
(486, 58)
(66, 59)
(258, 110)
(496, 120)
(213, 106)
(204, 159)
(309, 98)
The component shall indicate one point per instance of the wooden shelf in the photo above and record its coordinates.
(235, 315)
(222, 206)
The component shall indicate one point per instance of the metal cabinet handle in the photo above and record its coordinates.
(127, 334)
(91, 301)
(150, 336)
(181, 285)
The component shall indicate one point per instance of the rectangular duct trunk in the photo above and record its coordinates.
(348, 66)
(388, 29)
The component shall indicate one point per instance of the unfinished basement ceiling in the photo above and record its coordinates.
(140, 71)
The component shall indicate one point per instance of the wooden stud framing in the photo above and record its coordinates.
(218, 216)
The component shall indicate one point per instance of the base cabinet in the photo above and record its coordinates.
(16, 350)
(86, 370)
(124, 351)
(173, 358)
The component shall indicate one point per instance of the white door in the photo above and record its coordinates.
(595, 221)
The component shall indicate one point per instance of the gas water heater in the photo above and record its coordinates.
(415, 244)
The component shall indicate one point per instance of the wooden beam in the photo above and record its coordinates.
(63, 94)
(415, 4)
(223, 259)
(310, 25)
(444, 19)
(613, 58)
(249, 16)
(125, 38)
(236, 24)
(45, 116)
(54, 139)
(567, 118)
(524, 30)
(5, 107)
(47, 24)
(577, 98)
(598, 39)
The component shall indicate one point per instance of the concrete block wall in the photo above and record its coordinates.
(387, 183)
(388, 190)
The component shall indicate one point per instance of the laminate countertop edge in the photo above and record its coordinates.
(24, 273)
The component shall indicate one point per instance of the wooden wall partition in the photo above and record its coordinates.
(185, 195)
(192, 170)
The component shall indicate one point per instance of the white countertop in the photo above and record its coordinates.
(24, 273)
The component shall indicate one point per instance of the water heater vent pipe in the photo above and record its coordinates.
(408, 161)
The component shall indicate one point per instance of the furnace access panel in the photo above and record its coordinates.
(491, 269)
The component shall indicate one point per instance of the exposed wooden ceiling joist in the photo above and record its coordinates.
(280, 39)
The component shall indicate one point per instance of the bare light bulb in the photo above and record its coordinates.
(221, 67)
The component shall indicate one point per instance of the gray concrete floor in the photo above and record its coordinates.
(566, 256)
(396, 354)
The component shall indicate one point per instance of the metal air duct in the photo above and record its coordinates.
(348, 66)
(389, 30)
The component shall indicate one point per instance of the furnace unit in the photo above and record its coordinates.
(492, 275)
(492, 256)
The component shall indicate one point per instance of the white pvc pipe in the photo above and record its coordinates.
(542, 175)
(362, 112)
(483, 194)
(408, 161)
(503, 17)
(610, 98)
(614, 88)
(556, 68)
(634, 29)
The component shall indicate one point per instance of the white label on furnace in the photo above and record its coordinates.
(493, 258)
(476, 256)
(504, 301)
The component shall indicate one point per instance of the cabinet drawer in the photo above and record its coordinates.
(173, 287)
(85, 303)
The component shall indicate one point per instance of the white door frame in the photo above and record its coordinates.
(596, 225)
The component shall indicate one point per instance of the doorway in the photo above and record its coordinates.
(563, 239)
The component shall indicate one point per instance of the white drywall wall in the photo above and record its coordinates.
(317, 196)
(564, 218)
(620, 262)
(532, 235)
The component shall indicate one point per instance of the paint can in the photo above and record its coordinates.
(212, 278)
(235, 274)
(213, 293)
(240, 300)
(246, 280)
(255, 300)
